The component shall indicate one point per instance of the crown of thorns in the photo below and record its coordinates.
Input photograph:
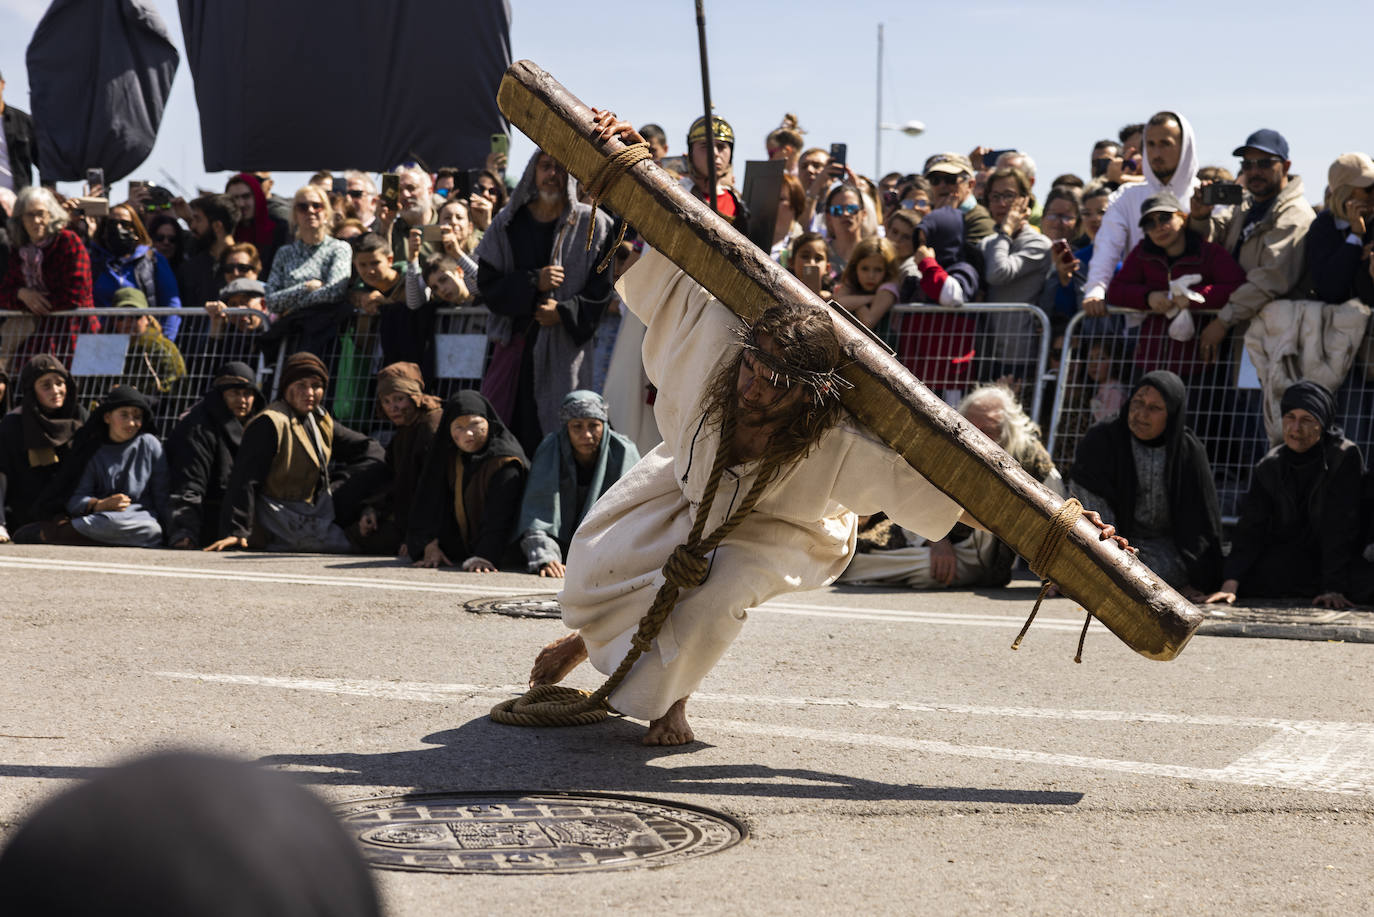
(782, 374)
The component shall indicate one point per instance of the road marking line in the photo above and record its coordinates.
(845, 612)
(1328, 757)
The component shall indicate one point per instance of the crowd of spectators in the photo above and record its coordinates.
(348, 274)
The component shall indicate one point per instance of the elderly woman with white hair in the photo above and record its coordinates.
(890, 555)
(49, 271)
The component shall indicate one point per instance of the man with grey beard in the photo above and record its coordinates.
(541, 282)
(415, 191)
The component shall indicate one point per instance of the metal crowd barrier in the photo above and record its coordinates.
(95, 344)
(1102, 358)
(955, 349)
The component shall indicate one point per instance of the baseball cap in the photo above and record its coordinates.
(128, 298)
(242, 285)
(952, 163)
(1163, 202)
(1355, 169)
(1266, 140)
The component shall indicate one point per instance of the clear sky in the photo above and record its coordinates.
(1048, 78)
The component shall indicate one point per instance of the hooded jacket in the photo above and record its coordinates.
(1121, 230)
(939, 347)
(1271, 255)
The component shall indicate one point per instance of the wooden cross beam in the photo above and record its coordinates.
(1118, 589)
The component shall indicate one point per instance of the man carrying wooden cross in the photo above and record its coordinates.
(751, 420)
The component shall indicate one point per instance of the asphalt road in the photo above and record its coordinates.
(887, 751)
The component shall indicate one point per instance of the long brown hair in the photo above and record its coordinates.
(804, 338)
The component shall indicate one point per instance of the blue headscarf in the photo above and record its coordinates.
(549, 513)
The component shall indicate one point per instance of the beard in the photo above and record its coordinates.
(551, 198)
(414, 215)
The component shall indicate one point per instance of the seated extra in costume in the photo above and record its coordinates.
(1146, 473)
(201, 453)
(114, 486)
(887, 554)
(469, 495)
(35, 439)
(572, 468)
(299, 473)
(1299, 528)
(401, 399)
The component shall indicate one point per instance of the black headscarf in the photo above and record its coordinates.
(434, 495)
(1105, 465)
(500, 440)
(93, 434)
(230, 376)
(1315, 399)
(48, 430)
(182, 834)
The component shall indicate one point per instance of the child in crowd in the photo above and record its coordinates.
(940, 347)
(115, 488)
(868, 286)
(152, 364)
(809, 260)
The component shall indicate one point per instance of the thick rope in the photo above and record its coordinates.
(687, 567)
(610, 172)
(1061, 523)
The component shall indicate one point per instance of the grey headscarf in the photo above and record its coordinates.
(559, 364)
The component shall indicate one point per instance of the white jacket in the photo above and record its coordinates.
(1121, 230)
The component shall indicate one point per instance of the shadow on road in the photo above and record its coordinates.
(482, 755)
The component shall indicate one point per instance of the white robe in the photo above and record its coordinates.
(800, 536)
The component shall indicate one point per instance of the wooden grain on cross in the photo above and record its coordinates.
(1117, 588)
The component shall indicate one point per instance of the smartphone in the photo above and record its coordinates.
(991, 156)
(391, 188)
(431, 233)
(1221, 192)
(340, 185)
(500, 144)
(1100, 166)
(95, 180)
(94, 206)
(838, 153)
(463, 183)
(1061, 250)
(134, 185)
(811, 274)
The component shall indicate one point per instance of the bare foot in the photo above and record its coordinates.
(671, 728)
(556, 660)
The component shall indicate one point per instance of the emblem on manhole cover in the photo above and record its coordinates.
(540, 605)
(499, 833)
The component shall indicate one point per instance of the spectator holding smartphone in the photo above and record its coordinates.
(1265, 233)
(951, 185)
(809, 259)
(122, 255)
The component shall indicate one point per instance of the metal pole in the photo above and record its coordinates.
(878, 115)
(706, 103)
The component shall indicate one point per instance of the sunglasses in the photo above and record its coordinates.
(1153, 221)
(309, 206)
(356, 193)
(1247, 165)
(238, 268)
(487, 190)
(943, 178)
(912, 203)
(844, 210)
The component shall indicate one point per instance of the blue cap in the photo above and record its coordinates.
(1265, 140)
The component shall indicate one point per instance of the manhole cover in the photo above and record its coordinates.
(540, 605)
(504, 833)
